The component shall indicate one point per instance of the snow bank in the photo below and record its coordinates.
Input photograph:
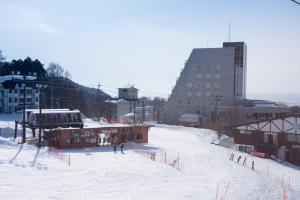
(205, 171)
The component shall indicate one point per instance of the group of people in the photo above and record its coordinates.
(239, 158)
(121, 147)
(102, 141)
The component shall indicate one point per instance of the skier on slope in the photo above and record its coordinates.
(253, 165)
(239, 159)
(244, 163)
(232, 156)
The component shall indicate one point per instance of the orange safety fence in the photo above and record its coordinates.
(59, 154)
(156, 155)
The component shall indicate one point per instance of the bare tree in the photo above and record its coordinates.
(67, 75)
(55, 70)
(2, 58)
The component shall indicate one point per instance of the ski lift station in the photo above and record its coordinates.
(63, 128)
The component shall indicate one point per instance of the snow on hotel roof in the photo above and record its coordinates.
(15, 77)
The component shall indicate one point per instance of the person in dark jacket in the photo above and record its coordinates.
(231, 156)
(122, 146)
(239, 158)
(253, 165)
(244, 163)
(115, 148)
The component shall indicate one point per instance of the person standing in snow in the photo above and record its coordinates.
(253, 165)
(122, 146)
(244, 163)
(103, 141)
(231, 156)
(115, 148)
(239, 158)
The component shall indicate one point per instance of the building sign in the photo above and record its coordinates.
(108, 131)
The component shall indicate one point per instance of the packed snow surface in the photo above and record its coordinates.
(205, 171)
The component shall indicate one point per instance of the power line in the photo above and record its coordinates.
(297, 2)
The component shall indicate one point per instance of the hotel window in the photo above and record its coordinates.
(218, 67)
(207, 94)
(207, 85)
(179, 102)
(189, 94)
(189, 102)
(199, 76)
(189, 85)
(207, 76)
(198, 94)
(218, 76)
(217, 85)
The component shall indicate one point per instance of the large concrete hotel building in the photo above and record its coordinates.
(212, 77)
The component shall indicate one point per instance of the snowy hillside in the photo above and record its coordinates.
(205, 171)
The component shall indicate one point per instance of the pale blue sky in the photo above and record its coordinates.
(146, 42)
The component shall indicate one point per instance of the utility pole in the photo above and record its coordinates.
(134, 112)
(229, 31)
(40, 87)
(24, 108)
(52, 93)
(217, 98)
(143, 111)
(57, 102)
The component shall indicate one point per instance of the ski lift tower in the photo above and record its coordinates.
(129, 94)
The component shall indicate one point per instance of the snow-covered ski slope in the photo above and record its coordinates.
(205, 171)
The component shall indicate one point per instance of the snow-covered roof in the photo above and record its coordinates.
(16, 77)
(55, 111)
(263, 105)
(286, 125)
(189, 118)
(115, 101)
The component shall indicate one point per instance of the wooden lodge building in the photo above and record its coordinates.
(278, 137)
(64, 128)
(96, 136)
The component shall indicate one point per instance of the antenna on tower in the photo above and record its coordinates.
(229, 31)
